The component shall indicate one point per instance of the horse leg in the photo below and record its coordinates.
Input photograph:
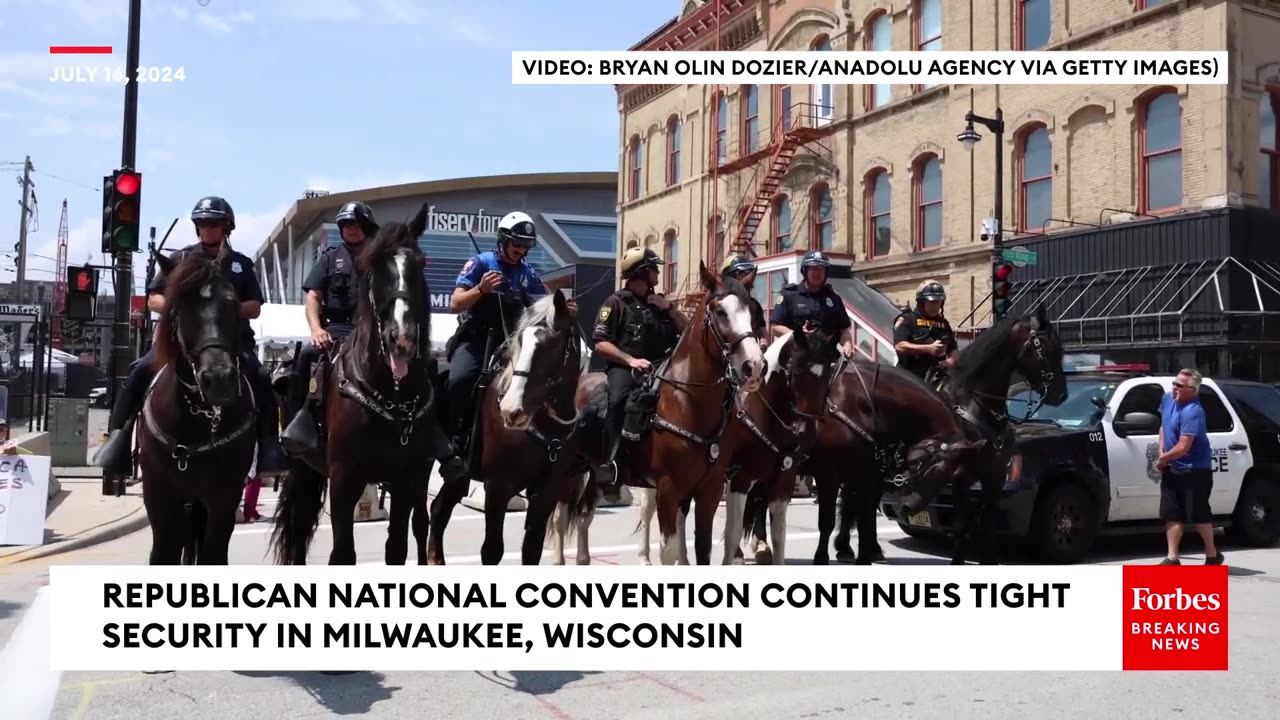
(865, 502)
(987, 512)
(846, 500)
(442, 509)
(557, 529)
(541, 506)
(421, 524)
(759, 530)
(496, 497)
(647, 500)
(827, 489)
(964, 522)
(344, 493)
(669, 522)
(397, 547)
(735, 508)
(585, 516)
(682, 532)
(708, 502)
(219, 524)
(167, 528)
(778, 528)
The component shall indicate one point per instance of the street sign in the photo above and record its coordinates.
(1019, 256)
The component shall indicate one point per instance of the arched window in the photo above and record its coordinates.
(715, 236)
(782, 106)
(824, 97)
(721, 125)
(1160, 148)
(878, 204)
(671, 256)
(928, 196)
(673, 150)
(636, 160)
(1035, 179)
(750, 119)
(1269, 142)
(1034, 22)
(879, 37)
(821, 214)
(927, 30)
(780, 224)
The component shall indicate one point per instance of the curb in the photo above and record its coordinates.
(127, 525)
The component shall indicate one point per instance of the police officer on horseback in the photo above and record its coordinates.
(636, 329)
(214, 220)
(741, 268)
(813, 303)
(491, 293)
(922, 337)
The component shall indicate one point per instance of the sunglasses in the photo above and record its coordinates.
(1180, 386)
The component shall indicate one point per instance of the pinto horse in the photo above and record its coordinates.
(197, 433)
(379, 414)
(528, 432)
(778, 426)
(978, 390)
(684, 454)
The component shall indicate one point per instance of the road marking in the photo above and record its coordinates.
(29, 687)
(654, 551)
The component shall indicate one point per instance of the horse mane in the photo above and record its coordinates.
(193, 272)
(990, 342)
(541, 314)
(390, 239)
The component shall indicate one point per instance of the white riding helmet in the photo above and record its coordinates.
(517, 227)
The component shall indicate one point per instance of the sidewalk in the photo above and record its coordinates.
(79, 515)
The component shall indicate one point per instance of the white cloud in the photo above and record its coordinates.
(213, 22)
(93, 12)
(179, 12)
(473, 32)
(320, 9)
(157, 157)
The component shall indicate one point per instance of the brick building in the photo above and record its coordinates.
(875, 175)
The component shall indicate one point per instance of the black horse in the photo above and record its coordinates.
(196, 436)
(379, 413)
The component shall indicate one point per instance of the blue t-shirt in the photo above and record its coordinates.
(1181, 420)
(521, 276)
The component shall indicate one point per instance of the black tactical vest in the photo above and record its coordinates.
(647, 332)
(924, 330)
(340, 292)
(491, 310)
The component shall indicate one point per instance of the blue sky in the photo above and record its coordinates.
(280, 95)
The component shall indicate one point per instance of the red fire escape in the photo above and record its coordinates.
(60, 283)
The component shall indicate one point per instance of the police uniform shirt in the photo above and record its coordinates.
(919, 329)
(521, 275)
(612, 326)
(319, 276)
(797, 305)
(238, 269)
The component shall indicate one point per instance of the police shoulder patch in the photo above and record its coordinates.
(780, 299)
(604, 312)
(467, 267)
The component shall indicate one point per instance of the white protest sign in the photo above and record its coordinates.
(24, 497)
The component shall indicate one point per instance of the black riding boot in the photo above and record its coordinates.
(115, 457)
(271, 457)
(300, 437)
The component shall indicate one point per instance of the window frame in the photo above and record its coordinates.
(917, 38)
(1271, 157)
(1020, 35)
(868, 41)
(670, 239)
(870, 180)
(749, 142)
(816, 224)
(675, 131)
(776, 235)
(1144, 158)
(1024, 136)
(918, 210)
(635, 158)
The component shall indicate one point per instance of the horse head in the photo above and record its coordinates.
(934, 465)
(543, 358)
(394, 293)
(808, 358)
(1039, 356)
(201, 325)
(726, 308)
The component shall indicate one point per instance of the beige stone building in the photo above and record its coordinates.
(881, 181)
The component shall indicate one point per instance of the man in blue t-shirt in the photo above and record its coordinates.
(1185, 465)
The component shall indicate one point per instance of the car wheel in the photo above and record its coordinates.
(913, 531)
(1256, 520)
(1065, 523)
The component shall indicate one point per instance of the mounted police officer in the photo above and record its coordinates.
(741, 268)
(214, 220)
(635, 330)
(813, 302)
(491, 293)
(922, 337)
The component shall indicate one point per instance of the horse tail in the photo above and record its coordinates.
(194, 521)
(757, 503)
(297, 515)
(585, 502)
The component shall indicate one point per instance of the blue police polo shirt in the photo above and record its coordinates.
(1187, 419)
(522, 275)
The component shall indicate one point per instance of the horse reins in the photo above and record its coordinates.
(555, 443)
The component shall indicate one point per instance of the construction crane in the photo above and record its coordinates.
(60, 284)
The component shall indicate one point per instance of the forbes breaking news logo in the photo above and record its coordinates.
(1175, 617)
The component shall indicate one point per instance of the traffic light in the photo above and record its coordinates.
(82, 293)
(1001, 289)
(121, 211)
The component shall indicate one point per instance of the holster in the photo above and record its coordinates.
(638, 411)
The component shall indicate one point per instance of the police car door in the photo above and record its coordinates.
(1232, 456)
(1135, 484)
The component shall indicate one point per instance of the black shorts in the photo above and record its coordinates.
(1185, 497)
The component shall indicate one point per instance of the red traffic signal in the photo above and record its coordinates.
(128, 183)
(1003, 271)
(82, 281)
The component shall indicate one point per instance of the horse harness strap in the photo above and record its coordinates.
(183, 453)
(406, 414)
(1001, 437)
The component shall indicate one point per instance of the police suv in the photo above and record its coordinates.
(1087, 467)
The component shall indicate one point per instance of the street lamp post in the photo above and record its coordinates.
(968, 139)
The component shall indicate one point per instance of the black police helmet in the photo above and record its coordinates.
(360, 214)
(214, 208)
(739, 264)
(931, 290)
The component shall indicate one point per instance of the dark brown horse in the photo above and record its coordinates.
(527, 432)
(379, 415)
(684, 454)
(775, 430)
(197, 434)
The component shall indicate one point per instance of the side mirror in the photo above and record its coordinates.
(1098, 402)
(1136, 423)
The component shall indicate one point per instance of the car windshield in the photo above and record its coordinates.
(1078, 411)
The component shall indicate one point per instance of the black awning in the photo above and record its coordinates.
(1199, 302)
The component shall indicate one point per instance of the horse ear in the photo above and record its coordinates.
(562, 307)
(710, 280)
(418, 224)
(164, 263)
(1042, 317)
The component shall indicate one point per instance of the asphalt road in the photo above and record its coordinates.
(1246, 691)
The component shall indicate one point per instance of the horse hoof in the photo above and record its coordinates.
(764, 556)
(846, 556)
(584, 560)
(823, 560)
(645, 561)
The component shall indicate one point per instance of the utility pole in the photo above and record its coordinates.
(122, 351)
(20, 289)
